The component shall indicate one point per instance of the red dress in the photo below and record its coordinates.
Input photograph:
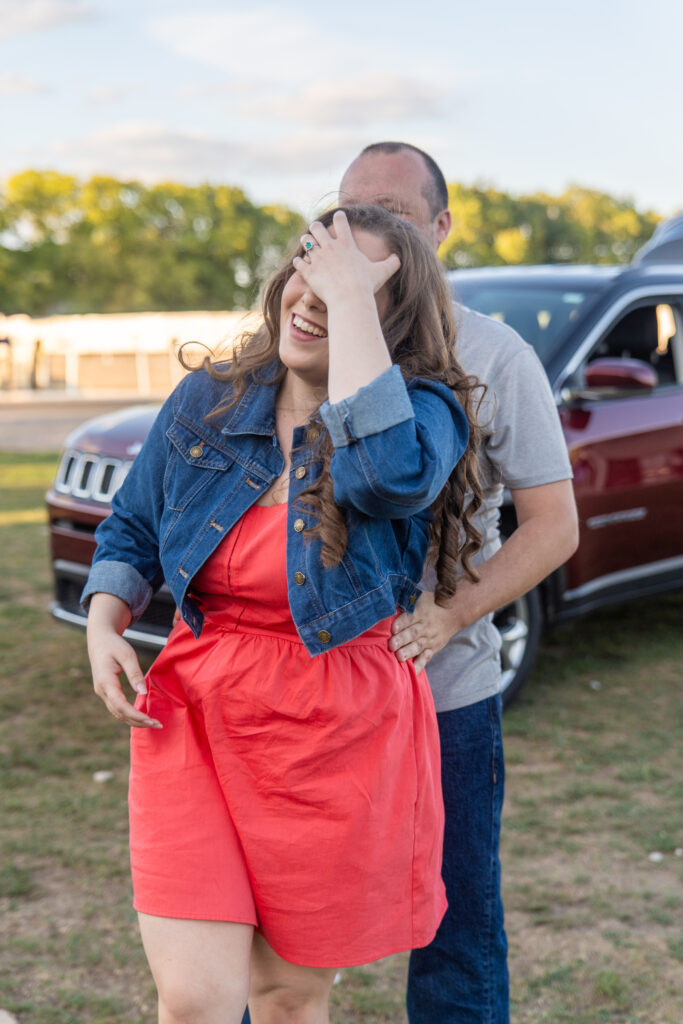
(301, 795)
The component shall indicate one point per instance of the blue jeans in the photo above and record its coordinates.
(462, 977)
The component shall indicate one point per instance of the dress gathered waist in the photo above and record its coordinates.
(379, 634)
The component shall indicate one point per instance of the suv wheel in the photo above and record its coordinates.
(519, 624)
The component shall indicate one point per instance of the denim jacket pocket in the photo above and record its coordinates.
(192, 463)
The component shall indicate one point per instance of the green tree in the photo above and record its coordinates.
(106, 245)
(492, 228)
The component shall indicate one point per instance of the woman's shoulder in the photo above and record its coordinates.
(202, 389)
(210, 390)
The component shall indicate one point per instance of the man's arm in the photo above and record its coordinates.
(547, 535)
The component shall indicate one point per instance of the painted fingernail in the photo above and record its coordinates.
(141, 688)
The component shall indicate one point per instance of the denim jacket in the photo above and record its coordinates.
(395, 445)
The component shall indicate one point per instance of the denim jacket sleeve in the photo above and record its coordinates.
(396, 444)
(126, 561)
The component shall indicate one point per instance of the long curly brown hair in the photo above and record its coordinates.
(419, 331)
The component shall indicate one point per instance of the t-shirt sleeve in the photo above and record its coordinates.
(525, 445)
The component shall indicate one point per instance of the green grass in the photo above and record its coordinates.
(593, 788)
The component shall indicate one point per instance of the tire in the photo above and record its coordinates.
(520, 624)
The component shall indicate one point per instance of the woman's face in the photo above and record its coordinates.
(303, 318)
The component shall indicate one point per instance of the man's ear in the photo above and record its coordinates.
(443, 225)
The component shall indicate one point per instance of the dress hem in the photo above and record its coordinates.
(356, 960)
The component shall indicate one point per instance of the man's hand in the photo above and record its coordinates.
(426, 631)
(546, 536)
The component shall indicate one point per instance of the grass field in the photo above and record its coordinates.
(594, 789)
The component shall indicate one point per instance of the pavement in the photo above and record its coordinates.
(34, 421)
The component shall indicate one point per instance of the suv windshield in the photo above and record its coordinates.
(541, 314)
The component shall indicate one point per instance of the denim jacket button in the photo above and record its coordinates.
(412, 599)
(324, 637)
(196, 451)
(299, 525)
(299, 578)
(300, 472)
(313, 434)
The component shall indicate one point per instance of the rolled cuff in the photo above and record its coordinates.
(121, 580)
(381, 404)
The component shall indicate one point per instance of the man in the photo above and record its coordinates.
(461, 978)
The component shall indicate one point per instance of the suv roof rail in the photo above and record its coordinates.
(666, 244)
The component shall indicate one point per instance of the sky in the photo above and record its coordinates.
(279, 97)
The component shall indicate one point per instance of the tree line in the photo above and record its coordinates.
(109, 246)
(493, 228)
(103, 245)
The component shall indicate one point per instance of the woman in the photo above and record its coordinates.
(284, 799)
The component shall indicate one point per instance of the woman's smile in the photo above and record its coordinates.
(306, 330)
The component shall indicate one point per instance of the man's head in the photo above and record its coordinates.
(404, 180)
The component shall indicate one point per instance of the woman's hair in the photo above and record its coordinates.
(419, 331)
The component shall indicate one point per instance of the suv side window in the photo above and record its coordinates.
(651, 333)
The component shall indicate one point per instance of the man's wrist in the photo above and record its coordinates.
(461, 610)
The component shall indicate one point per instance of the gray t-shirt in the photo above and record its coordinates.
(524, 447)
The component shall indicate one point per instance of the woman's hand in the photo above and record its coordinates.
(335, 268)
(110, 655)
(349, 277)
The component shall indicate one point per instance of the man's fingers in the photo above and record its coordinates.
(411, 650)
(407, 635)
(401, 622)
(418, 651)
(422, 660)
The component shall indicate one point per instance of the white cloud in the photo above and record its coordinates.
(306, 153)
(225, 87)
(268, 43)
(151, 152)
(19, 16)
(12, 84)
(361, 100)
(104, 94)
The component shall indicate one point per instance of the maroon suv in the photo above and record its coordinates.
(611, 341)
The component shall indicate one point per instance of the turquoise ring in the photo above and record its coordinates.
(308, 245)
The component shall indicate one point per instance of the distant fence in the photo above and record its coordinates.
(118, 352)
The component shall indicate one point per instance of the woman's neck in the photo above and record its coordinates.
(298, 396)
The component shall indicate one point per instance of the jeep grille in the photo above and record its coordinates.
(94, 477)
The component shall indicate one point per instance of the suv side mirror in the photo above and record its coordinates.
(629, 374)
(612, 378)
